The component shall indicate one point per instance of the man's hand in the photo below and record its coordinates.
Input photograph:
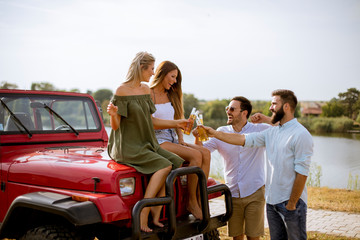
(258, 118)
(196, 135)
(209, 131)
(261, 118)
(290, 206)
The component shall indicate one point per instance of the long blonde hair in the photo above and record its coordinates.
(174, 94)
(141, 62)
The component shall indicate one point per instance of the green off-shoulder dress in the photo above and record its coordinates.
(134, 142)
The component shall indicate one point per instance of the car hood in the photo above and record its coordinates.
(69, 168)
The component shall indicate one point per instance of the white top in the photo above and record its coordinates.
(164, 111)
(289, 149)
(243, 167)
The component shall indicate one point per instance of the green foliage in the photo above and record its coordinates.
(259, 106)
(106, 116)
(350, 100)
(353, 182)
(6, 85)
(43, 86)
(314, 176)
(214, 112)
(189, 101)
(266, 110)
(74, 90)
(297, 111)
(334, 108)
(102, 94)
(327, 125)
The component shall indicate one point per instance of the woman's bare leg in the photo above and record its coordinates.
(194, 158)
(156, 182)
(156, 211)
(206, 158)
(205, 166)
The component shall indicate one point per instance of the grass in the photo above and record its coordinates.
(325, 199)
(310, 235)
(334, 199)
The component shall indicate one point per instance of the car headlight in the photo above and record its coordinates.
(127, 186)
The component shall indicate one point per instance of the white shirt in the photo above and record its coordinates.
(164, 111)
(288, 149)
(243, 167)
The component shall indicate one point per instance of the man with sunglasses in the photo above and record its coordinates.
(244, 172)
(289, 148)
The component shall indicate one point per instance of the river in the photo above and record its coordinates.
(336, 156)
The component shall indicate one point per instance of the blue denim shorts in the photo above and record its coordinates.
(166, 135)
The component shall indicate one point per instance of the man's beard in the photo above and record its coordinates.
(232, 121)
(277, 116)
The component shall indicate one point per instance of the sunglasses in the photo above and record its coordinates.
(231, 109)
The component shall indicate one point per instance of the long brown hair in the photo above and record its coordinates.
(174, 94)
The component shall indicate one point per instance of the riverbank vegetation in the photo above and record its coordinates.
(341, 200)
(339, 115)
(320, 125)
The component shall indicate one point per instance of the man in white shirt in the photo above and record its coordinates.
(289, 148)
(244, 172)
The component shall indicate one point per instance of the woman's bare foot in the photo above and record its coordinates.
(195, 210)
(144, 221)
(156, 211)
(158, 223)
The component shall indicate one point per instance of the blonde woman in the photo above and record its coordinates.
(167, 95)
(132, 139)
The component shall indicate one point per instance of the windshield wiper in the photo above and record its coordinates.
(43, 105)
(15, 118)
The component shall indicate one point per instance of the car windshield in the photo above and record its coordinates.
(20, 113)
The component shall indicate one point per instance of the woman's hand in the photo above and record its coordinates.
(112, 109)
(114, 117)
(182, 142)
(181, 123)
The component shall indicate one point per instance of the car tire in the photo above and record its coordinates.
(51, 232)
(212, 235)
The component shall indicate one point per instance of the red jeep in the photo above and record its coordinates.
(58, 182)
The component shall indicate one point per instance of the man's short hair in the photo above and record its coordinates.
(287, 96)
(245, 104)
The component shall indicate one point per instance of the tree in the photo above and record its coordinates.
(6, 85)
(102, 94)
(334, 108)
(74, 90)
(266, 110)
(349, 99)
(258, 106)
(214, 112)
(189, 101)
(45, 86)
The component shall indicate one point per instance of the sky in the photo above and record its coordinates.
(224, 48)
